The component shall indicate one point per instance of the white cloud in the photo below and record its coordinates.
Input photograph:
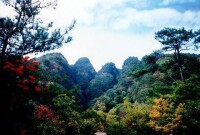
(102, 46)
(98, 32)
(154, 19)
(167, 2)
(5, 10)
(101, 32)
(116, 15)
(88, 12)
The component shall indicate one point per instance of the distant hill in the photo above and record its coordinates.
(84, 72)
(110, 85)
(91, 84)
(151, 77)
(105, 79)
(115, 96)
(55, 68)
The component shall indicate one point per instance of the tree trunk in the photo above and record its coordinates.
(5, 44)
(6, 40)
(180, 64)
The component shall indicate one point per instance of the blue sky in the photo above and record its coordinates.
(113, 30)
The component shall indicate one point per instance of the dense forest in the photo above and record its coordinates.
(157, 95)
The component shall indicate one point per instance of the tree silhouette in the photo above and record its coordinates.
(175, 40)
(23, 34)
(26, 33)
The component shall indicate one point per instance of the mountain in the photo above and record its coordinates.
(55, 68)
(84, 72)
(91, 84)
(138, 79)
(105, 79)
(151, 77)
(131, 64)
(115, 92)
(143, 88)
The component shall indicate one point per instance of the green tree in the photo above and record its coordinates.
(111, 69)
(134, 117)
(25, 32)
(188, 92)
(131, 64)
(127, 119)
(65, 107)
(89, 122)
(101, 83)
(175, 40)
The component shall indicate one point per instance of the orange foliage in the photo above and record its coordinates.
(164, 115)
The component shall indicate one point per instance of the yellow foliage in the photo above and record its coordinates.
(152, 123)
(112, 118)
(164, 115)
(100, 114)
(155, 114)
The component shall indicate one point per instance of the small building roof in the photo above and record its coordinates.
(100, 133)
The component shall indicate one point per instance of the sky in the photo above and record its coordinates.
(113, 30)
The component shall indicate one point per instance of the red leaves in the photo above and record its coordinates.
(44, 112)
(47, 116)
(22, 71)
(32, 77)
(41, 111)
(18, 70)
(25, 88)
(31, 67)
(19, 65)
(38, 89)
(35, 63)
(8, 64)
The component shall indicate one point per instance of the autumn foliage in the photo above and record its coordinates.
(48, 120)
(19, 88)
(165, 116)
(22, 71)
(43, 112)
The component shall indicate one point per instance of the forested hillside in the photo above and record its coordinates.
(146, 96)
(157, 95)
(54, 68)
